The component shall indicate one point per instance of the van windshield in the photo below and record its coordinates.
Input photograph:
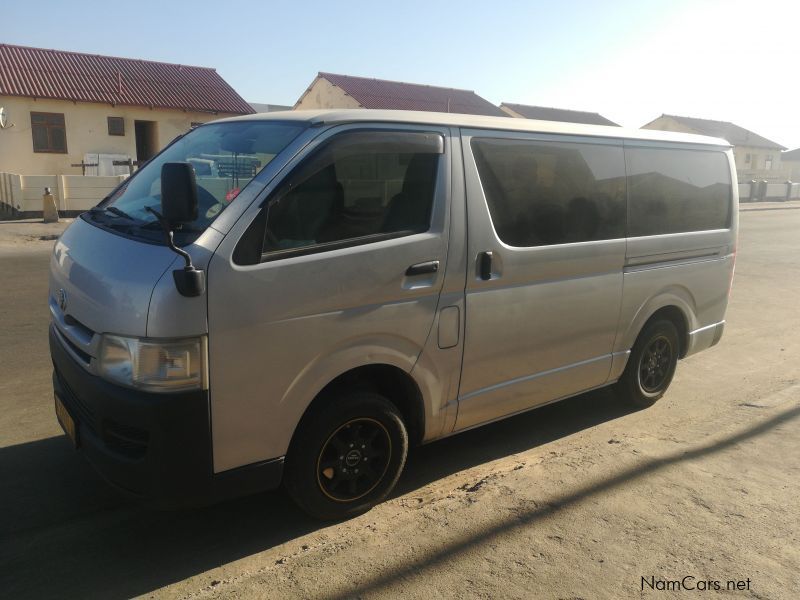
(225, 157)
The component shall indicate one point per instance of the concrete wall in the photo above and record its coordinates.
(21, 195)
(323, 94)
(746, 172)
(87, 132)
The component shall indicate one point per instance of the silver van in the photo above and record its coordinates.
(299, 297)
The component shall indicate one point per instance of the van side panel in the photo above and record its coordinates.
(281, 330)
(543, 326)
(438, 370)
(691, 271)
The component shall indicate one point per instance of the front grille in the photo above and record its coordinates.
(81, 354)
(127, 441)
(81, 411)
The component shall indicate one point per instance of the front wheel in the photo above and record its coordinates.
(346, 456)
(651, 365)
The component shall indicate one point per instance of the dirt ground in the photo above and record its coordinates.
(581, 499)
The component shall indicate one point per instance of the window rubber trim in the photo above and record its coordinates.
(274, 255)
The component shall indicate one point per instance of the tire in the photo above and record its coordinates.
(651, 365)
(328, 473)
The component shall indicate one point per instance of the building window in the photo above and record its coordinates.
(49, 132)
(768, 163)
(116, 126)
(747, 159)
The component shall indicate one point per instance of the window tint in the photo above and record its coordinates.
(543, 193)
(360, 185)
(672, 191)
(49, 133)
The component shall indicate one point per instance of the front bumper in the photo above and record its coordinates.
(155, 447)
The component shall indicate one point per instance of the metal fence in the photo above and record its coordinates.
(763, 191)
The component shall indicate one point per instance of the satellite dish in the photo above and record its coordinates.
(3, 118)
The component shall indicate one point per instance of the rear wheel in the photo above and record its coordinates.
(346, 456)
(651, 365)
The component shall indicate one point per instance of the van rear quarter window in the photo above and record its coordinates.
(544, 193)
(675, 190)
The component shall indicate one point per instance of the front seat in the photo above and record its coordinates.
(410, 210)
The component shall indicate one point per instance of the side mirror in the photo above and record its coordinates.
(179, 205)
(178, 193)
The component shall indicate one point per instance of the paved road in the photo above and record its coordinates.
(579, 499)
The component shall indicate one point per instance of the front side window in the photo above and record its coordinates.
(361, 186)
(544, 193)
(674, 191)
(49, 132)
(225, 157)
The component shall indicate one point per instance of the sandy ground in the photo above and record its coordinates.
(30, 234)
(577, 500)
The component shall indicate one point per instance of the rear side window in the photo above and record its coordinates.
(360, 187)
(673, 191)
(544, 193)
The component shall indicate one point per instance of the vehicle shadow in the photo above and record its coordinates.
(58, 518)
(421, 565)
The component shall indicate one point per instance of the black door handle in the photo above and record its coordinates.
(432, 266)
(485, 265)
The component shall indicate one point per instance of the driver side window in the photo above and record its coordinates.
(360, 187)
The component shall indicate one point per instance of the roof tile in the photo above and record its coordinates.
(544, 113)
(736, 135)
(396, 95)
(61, 75)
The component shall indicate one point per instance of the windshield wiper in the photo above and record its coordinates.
(114, 211)
(119, 212)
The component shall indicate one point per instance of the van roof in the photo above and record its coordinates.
(355, 115)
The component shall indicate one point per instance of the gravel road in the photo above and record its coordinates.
(576, 500)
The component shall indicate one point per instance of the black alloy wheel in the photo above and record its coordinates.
(654, 364)
(346, 455)
(354, 459)
(651, 365)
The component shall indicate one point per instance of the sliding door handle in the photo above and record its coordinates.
(423, 268)
(485, 265)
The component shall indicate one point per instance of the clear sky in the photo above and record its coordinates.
(629, 60)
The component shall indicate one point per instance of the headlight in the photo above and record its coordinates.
(155, 365)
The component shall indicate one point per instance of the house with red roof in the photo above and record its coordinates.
(546, 113)
(756, 157)
(329, 90)
(61, 109)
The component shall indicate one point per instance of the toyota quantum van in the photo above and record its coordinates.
(299, 297)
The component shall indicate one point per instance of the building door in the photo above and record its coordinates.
(146, 144)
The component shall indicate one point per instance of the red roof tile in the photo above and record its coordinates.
(544, 113)
(56, 74)
(396, 95)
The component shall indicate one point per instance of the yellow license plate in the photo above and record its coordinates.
(66, 421)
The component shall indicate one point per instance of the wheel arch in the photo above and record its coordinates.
(675, 304)
(390, 381)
